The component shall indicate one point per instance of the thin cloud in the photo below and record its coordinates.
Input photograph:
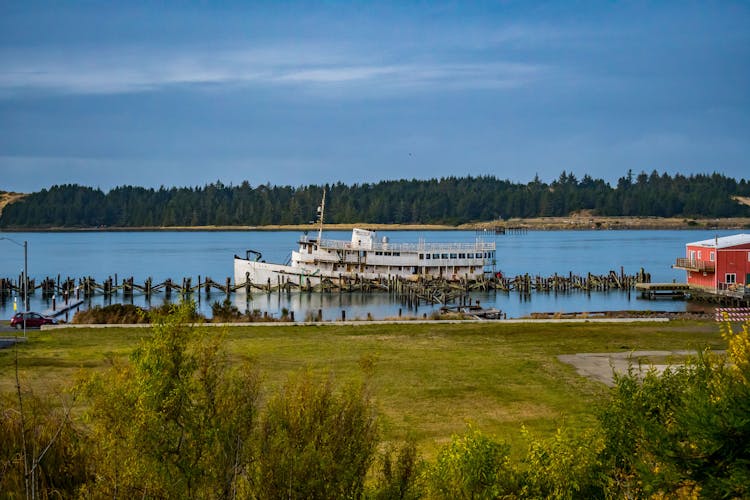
(113, 72)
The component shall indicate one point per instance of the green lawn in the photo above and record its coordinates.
(429, 380)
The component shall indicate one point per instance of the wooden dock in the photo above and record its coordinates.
(663, 290)
(411, 292)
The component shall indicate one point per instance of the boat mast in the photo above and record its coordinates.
(321, 212)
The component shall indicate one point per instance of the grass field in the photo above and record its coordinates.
(428, 380)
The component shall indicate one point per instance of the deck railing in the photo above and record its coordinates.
(695, 265)
(734, 290)
(412, 247)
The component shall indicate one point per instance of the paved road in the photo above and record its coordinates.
(6, 329)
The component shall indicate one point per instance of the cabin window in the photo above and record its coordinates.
(421, 256)
(386, 253)
(469, 255)
(427, 256)
(378, 253)
(396, 254)
(462, 256)
(436, 256)
(712, 256)
(454, 256)
(444, 256)
(731, 278)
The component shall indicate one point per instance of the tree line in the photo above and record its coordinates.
(448, 200)
(178, 420)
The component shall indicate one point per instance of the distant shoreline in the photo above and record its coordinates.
(576, 223)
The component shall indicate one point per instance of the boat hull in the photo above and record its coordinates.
(264, 273)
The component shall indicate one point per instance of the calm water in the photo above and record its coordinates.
(178, 255)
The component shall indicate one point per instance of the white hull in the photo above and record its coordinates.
(263, 273)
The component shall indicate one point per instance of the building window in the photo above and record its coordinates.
(444, 256)
(421, 256)
(469, 255)
(427, 256)
(712, 256)
(731, 278)
(462, 256)
(454, 256)
(699, 255)
(436, 256)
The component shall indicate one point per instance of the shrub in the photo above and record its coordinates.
(316, 442)
(112, 314)
(472, 466)
(176, 422)
(42, 452)
(398, 474)
(685, 431)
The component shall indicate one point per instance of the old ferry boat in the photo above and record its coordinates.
(367, 257)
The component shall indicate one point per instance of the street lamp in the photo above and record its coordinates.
(25, 246)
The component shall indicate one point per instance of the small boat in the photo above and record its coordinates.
(367, 257)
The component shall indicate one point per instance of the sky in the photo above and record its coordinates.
(294, 93)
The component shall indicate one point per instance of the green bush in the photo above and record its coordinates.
(315, 441)
(686, 431)
(175, 422)
(472, 466)
(40, 449)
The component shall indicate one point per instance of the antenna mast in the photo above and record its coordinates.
(321, 212)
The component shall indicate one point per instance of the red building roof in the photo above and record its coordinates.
(723, 242)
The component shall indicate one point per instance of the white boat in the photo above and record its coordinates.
(366, 257)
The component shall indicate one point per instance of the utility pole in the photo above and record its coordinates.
(25, 246)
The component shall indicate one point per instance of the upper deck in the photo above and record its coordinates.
(477, 246)
(363, 239)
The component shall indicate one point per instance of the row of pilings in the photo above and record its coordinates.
(411, 292)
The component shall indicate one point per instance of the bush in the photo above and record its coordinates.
(316, 442)
(399, 474)
(112, 314)
(41, 452)
(686, 431)
(472, 466)
(127, 314)
(176, 422)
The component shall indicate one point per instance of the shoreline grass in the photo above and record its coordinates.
(573, 222)
(428, 380)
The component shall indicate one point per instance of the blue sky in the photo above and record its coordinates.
(167, 93)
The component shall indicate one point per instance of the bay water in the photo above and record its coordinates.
(183, 254)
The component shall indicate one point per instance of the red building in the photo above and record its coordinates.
(719, 263)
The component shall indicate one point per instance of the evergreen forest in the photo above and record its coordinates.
(448, 200)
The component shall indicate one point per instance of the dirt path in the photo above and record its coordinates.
(602, 365)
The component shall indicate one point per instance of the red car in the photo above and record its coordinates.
(33, 320)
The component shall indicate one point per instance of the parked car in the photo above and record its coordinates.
(33, 320)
